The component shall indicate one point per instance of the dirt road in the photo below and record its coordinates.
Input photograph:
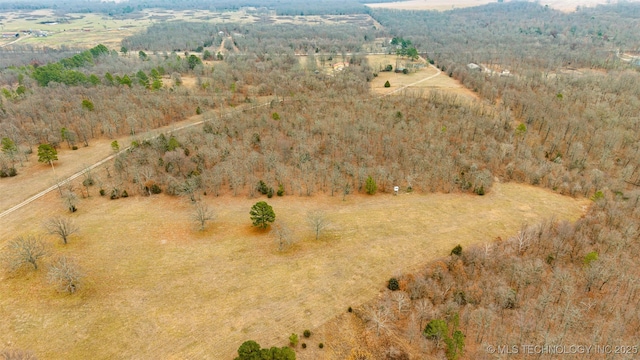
(185, 124)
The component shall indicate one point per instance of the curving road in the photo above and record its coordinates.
(415, 83)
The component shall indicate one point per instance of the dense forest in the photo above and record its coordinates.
(563, 116)
(253, 39)
(556, 282)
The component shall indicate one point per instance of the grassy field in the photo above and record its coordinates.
(413, 81)
(562, 5)
(88, 30)
(157, 288)
(429, 4)
(83, 30)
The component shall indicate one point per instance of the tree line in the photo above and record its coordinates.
(252, 38)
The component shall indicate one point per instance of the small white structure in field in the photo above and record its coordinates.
(395, 190)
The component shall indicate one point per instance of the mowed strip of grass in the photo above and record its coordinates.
(158, 288)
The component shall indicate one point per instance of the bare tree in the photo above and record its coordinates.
(24, 251)
(318, 221)
(61, 227)
(424, 309)
(283, 236)
(402, 301)
(202, 214)
(378, 319)
(65, 275)
(17, 355)
(522, 239)
(70, 200)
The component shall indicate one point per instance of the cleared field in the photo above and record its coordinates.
(429, 4)
(418, 82)
(562, 5)
(82, 30)
(156, 288)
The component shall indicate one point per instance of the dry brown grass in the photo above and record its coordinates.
(110, 32)
(157, 288)
(34, 177)
(188, 81)
(430, 4)
(562, 5)
(101, 29)
(412, 82)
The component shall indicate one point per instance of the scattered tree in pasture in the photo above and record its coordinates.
(201, 214)
(24, 251)
(65, 275)
(62, 227)
(293, 340)
(47, 154)
(318, 222)
(282, 235)
(262, 214)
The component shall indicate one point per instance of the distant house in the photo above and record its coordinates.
(10, 35)
(472, 66)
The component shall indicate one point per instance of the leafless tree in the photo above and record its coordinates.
(17, 355)
(522, 239)
(65, 274)
(424, 309)
(318, 222)
(283, 236)
(61, 227)
(70, 200)
(202, 214)
(401, 300)
(378, 318)
(24, 251)
(482, 319)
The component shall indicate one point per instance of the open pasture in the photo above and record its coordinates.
(157, 288)
(442, 5)
(417, 82)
